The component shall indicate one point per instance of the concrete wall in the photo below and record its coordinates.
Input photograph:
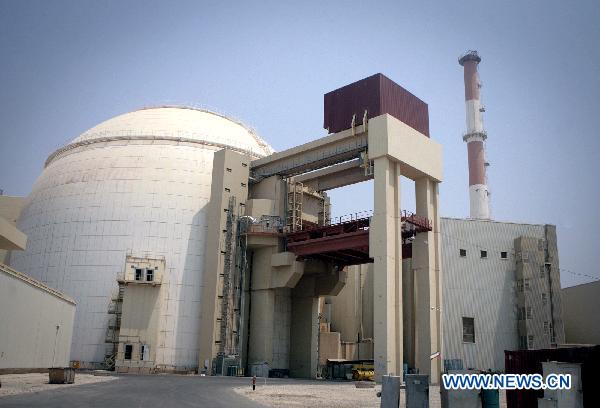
(482, 288)
(581, 304)
(36, 323)
(229, 188)
(352, 308)
(142, 320)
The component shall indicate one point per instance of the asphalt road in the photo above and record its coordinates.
(162, 391)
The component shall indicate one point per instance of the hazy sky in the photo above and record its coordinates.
(65, 66)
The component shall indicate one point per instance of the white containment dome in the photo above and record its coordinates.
(136, 185)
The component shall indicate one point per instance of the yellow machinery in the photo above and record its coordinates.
(363, 372)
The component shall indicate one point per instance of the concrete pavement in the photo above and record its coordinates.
(161, 391)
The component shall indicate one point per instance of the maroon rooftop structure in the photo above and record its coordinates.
(376, 95)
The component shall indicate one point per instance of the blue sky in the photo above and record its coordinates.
(65, 66)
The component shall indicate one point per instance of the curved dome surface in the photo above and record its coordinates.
(178, 121)
(138, 184)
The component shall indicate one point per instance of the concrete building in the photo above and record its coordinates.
(136, 185)
(36, 320)
(500, 291)
(580, 313)
(501, 283)
(188, 245)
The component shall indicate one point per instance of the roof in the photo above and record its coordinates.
(183, 123)
(34, 282)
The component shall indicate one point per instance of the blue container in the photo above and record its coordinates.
(490, 399)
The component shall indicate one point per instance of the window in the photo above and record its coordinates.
(503, 255)
(227, 190)
(128, 351)
(144, 352)
(542, 271)
(540, 245)
(525, 257)
(520, 285)
(138, 274)
(468, 329)
(544, 299)
(530, 342)
(529, 313)
(522, 342)
(243, 184)
(526, 284)
(244, 165)
(546, 328)
(484, 254)
(463, 252)
(149, 275)
(228, 170)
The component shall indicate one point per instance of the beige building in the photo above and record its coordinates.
(36, 321)
(581, 304)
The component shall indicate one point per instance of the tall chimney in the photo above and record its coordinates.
(479, 196)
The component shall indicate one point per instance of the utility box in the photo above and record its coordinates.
(390, 391)
(374, 96)
(571, 398)
(460, 398)
(61, 375)
(417, 390)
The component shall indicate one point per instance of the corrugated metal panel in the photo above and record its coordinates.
(480, 288)
(377, 95)
(530, 362)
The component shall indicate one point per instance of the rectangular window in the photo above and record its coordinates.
(144, 351)
(542, 271)
(544, 299)
(530, 342)
(228, 170)
(228, 190)
(526, 284)
(244, 165)
(138, 274)
(529, 313)
(520, 285)
(128, 351)
(149, 275)
(243, 184)
(463, 252)
(522, 342)
(484, 254)
(546, 328)
(503, 255)
(468, 329)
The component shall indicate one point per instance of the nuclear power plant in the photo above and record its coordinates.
(188, 245)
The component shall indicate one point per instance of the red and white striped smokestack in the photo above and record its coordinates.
(479, 196)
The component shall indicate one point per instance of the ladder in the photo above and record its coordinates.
(227, 277)
(294, 206)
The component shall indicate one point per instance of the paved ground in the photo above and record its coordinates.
(161, 391)
(314, 394)
(14, 384)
